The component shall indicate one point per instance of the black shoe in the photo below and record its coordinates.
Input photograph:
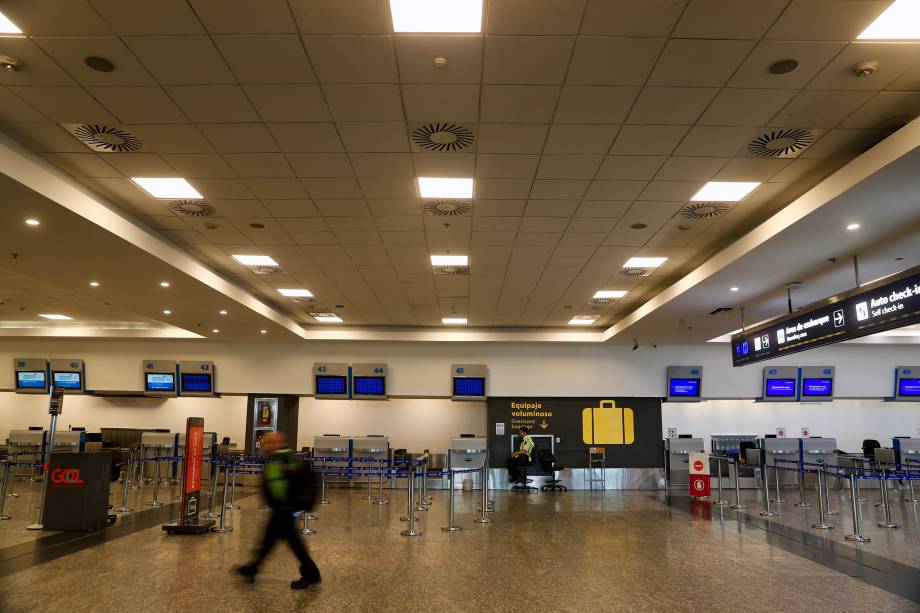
(303, 583)
(248, 572)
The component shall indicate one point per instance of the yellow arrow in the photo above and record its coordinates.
(543, 424)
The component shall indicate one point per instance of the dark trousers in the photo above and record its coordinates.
(514, 467)
(283, 525)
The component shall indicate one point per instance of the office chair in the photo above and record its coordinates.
(548, 462)
(522, 486)
(869, 446)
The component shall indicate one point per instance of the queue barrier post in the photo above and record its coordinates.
(779, 498)
(765, 477)
(381, 499)
(156, 483)
(822, 482)
(827, 499)
(410, 529)
(422, 505)
(368, 496)
(304, 529)
(234, 468)
(484, 503)
(450, 527)
(126, 485)
(322, 497)
(910, 484)
(6, 479)
(721, 502)
(854, 498)
(883, 484)
(800, 479)
(223, 527)
(410, 502)
(425, 497)
(212, 486)
(737, 506)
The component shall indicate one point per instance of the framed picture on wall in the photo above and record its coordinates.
(266, 413)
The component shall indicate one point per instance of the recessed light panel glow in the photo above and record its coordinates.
(55, 316)
(255, 260)
(296, 293)
(454, 321)
(434, 187)
(7, 26)
(328, 318)
(724, 191)
(168, 187)
(436, 15)
(32, 222)
(450, 260)
(853, 226)
(900, 21)
(611, 293)
(583, 320)
(644, 262)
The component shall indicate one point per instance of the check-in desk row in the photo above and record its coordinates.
(27, 449)
(344, 450)
(156, 445)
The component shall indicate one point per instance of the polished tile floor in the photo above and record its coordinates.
(579, 551)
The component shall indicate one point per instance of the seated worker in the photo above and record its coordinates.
(523, 456)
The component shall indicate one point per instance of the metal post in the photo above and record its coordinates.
(304, 530)
(737, 506)
(822, 481)
(214, 475)
(800, 477)
(156, 483)
(380, 498)
(235, 464)
(827, 499)
(11, 493)
(41, 504)
(883, 498)
(721, 502)
(126, 484)
(6, 479)
(369, 497)
(910, 484)
(856, 536)
(779, 499)
(223, 507)
(766, 493)
(484, 503)
(410, 499)
(410, 529)
(883, 484)
(322, 497)
(450, 527)
(425, 497)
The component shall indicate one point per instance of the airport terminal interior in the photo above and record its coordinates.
(489, 305)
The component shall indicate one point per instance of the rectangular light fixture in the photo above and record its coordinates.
(609, 293)
(583, 320)
(168, 187)
(436, 15)
(450, 260)
(454, 321)
(7, 26)
(724, 191)
(55, 316)
(644, 262)
(255, 260)
(296, 293)
(900, 21)
(436, 187)
(327, 318)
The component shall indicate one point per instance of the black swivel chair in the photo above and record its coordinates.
(548, 462)
(869, 446)
(522, 486)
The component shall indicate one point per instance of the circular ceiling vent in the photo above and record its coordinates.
(192, 208)
(106, 139)
(703, 210)
(636, 272)
(449, 208)
(788, 142)
(451, 271)
(442, 137)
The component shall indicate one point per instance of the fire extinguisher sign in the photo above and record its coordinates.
(699, 475)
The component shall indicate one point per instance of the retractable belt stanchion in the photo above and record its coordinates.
(223, 527)
(126, 485)
(882, 496)
(6, 480)
(737, 506)
(484, 503)
(422, 505)
(827, 499)
(779, 497)
(766, 493)
(410, 529)
(883, 484)
(381, 500)
(428, 499)
(910, 484)
(368, 496)
(11, 493)
(410, 498)
(800, 477)
(234, 468)
(214, 476)
(822, 483)
(304, 529)
(156, 483)
(721, 502)
(450, 527)
(854, 497)
(322, 497)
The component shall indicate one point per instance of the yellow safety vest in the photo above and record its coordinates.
(527, 439)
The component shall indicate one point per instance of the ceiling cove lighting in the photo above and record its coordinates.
(327, 318)
(644, 262)
(223, 312)
(853, 226)
(583, 320)
(900, 21)
(164, 283)
(55, 316)
(263, 331)
(724, 191)
(450, 260)
(609, 293)
(733, 289)
(454, 321)
(167, 312)
(255, 260)
(215, 330)
(168, 187)
(33, 222)
(296, 293)
(8, 27)
(436, 15)
(94, 283)
(434, 187)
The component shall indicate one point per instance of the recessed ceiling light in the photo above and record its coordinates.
(296, 293)
(164, 283)
(263, 331)
(32, 222)
(168, 187)
(55, 316)
(94, 283)
(900, 21)
(8, 27)
(327, 318)
(167, 312)
(255, 260)
(215, 330)
(609, 293)
(644, 262)
(454, 321)
(733, 289)
(223, 312)
(853, 226)
(433, 187)
(436, 15)
(724, 191)
(450, 260)
(583, 320)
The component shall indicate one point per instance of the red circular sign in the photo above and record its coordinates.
(698, 465)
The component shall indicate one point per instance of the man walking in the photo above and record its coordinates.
(288, 487)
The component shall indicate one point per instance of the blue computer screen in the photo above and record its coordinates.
(66, 380)
(780, 387)
(689, 388)
(194, 382)
(159, 382)
(817, 387)
(370, 386)
(909, 387)
(30, 379)
(331, 385)
(469, 386)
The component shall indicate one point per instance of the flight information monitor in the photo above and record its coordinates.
(160, 379)
(31, 375)
(370, 386)
(684, 388)
(469, 386)
(468, 381)
(369, 381)
(330, 380)
(195, 382)
(817, 383)
(197, 379)
(31, 379)
(907, 383)
(685, 383)
(909, 387)
(817, 387)
(326, 384)
(780, 388)
(67, 380)
(159, 382)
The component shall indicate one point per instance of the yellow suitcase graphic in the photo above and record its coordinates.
(608, 425)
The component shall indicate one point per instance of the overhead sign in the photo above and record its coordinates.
(890, 303)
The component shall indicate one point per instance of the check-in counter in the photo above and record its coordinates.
(817, 451)
(26, 449)
(676, 456)
(208, 444)
(782, 449)
(155, 445)
(333, 446)
(465, 453)
(907, 451)
(376, 447)
(71, 441)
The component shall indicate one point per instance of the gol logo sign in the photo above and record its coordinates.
(66, 476)
(608, 425)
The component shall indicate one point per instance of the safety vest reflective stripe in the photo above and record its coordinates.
(527, 445)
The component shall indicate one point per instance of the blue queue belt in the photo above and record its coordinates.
(245, 465)
(844, 472)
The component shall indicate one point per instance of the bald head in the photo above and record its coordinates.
(273, 441)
